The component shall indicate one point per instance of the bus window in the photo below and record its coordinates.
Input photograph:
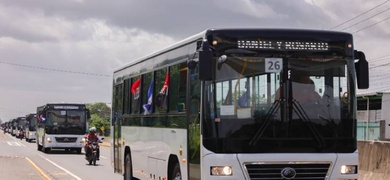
(135, 94)
(161, 90)
(126, 96)
(147, 81)
(177, 87)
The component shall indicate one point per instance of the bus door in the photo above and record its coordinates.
(193, 101)
(117, 119)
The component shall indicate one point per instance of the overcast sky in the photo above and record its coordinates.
(67, 50)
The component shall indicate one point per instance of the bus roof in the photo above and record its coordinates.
(53, 105)
(173, 46)
(202, 35)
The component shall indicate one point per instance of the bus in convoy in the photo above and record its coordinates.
(9, 129)
(241, 104)
(21, 123)
(31, 127)
(14, 130)
(61, 126)
(7, 126)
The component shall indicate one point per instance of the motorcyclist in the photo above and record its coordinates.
(90, 138)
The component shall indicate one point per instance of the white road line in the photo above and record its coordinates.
(76, 177)
(104, 157)
(21, 144)
(14, 143)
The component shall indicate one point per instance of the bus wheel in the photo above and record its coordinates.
(39, 147)
(128, 168)
(176, 174)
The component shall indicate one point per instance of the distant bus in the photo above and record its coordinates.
(5, 127)
(21, 123)
(31, 127)
(230, 104)
(61, 126)
(14, 127)
(9, 127)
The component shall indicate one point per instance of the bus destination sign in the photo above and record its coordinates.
(282, 45)
(66, 107)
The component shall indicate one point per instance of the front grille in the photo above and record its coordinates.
(299, 171)
(66, 139)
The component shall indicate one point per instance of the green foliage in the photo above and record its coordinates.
(99, 122)
(101, 109)
(100, 116)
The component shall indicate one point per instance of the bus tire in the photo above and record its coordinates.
(176, 173)
(39, 147)
(128, 174)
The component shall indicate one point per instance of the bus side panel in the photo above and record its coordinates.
(151, 147)
(40, 134)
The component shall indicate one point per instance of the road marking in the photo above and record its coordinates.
(21, 144)
(14, 143)
(45, 176)
(104, 157)
(76, 177)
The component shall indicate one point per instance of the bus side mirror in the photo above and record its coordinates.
(362, 70)
(205, 62)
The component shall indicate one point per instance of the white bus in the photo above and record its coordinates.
(61, 126)
(225, 104)
(21, 123)
(31, 127)
(14, 127)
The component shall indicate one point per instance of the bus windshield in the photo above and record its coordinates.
(288, 103)
(22, 123)
(32, 123)
(65, 122)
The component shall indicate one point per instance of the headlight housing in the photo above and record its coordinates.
(221, 170)
(348, 169)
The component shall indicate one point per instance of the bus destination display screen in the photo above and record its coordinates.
(282, 45)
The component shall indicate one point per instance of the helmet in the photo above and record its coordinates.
(92, 130)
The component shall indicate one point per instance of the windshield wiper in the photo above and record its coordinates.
(305, 118)
(267, 120)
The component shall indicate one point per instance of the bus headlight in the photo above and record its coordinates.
(48, 140)
(348, 169)
(221, 171)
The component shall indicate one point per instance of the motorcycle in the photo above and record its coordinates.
(91, 152)
(21, 134)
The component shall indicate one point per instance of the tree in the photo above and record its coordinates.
(100, 117)
(101, 109)
(100, 124)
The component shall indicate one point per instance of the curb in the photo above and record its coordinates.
(105, 145)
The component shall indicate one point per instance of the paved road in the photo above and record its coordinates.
(21, 160)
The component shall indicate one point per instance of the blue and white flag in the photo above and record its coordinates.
(41, 119)
(148, 106)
